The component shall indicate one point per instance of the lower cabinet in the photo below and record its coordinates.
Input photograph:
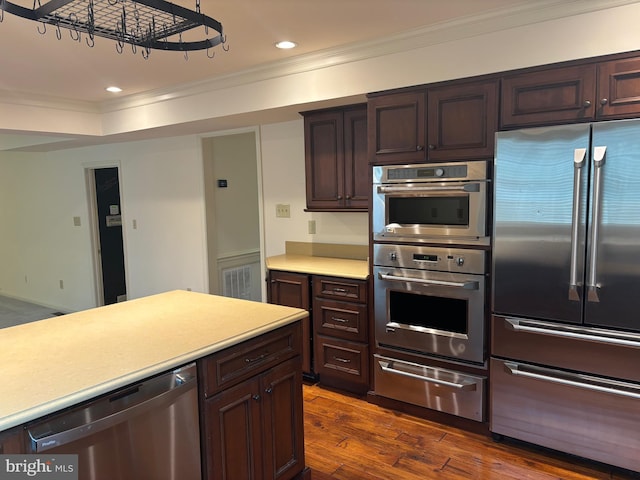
(252, 409)
(12, 441)
(340, 324)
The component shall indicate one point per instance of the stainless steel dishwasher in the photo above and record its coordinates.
(148, 431)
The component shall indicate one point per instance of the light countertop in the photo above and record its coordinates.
(58, 362)
(335, 267)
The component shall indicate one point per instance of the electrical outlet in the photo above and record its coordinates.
(283, 210)
(312, 227)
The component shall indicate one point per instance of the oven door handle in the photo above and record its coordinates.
(458, 386)
(470, 285)
(467, 187)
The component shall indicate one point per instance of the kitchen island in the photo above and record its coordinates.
(58, 363)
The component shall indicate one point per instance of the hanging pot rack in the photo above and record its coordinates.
(149, 24)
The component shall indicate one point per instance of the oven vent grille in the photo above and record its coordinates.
(237, 282)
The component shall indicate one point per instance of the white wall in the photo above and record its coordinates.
(283, 178)
(162, 190)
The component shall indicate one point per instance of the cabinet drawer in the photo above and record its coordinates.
(342, 359)
(340, 319)
(228, 367)
(340, 288)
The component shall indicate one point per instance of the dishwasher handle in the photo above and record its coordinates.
(55, 438)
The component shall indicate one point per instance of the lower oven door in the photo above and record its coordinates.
(433, 313)
(439, 389)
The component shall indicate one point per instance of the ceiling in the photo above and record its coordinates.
(35, 64)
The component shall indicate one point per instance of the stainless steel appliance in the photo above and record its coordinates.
(566, 271)
(442, 203)
(430, 302)
(149, 431)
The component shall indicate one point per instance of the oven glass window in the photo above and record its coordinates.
(440, 313)
(429, 210)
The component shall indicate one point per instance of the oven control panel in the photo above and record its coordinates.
(430, 258)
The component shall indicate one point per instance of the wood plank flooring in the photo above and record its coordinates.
(348, 438)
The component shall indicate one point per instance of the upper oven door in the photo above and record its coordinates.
(453, 212)
(432, 313)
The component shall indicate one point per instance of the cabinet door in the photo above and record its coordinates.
(357, 186)
(619, 88)
(11, 441)
(462, 121)
(546, 97)
(233, 429)
(292, 290)
(396, 128)
(324, 157)
(283, 422)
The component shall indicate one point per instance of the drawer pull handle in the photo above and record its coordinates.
(577, 333)
(341, 360)
(256, 359)
(582, 381)
(340, 320)
(465, 386)
(339, 290)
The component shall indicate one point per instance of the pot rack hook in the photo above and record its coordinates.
(74, 32)
(212, 55)
(44, 28)
(58, 31)
(91, 41)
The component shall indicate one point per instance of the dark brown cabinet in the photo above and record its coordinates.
(396, 127)
(12, 441)
(336, 161)
(619, 88)
(340, 319)
(452, 122)
(253, 408)
(462, 121)
(292, 290)
(568, 94)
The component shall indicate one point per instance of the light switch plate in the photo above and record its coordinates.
(283, 210)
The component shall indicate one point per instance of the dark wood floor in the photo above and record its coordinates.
(349, 438)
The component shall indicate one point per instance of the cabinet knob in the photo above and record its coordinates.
(604, 101)
(256, 397)
(586, 103)
(348, 197)
(339, 197)
(419, 148)
(432, 146)
(268, 390)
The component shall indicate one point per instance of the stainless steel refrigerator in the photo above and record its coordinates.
(565, 366)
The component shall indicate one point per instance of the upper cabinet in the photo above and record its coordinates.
(337, 166)
(619, 88)
(462, 121)
(456, 121)
(587, 92)
(396, 124)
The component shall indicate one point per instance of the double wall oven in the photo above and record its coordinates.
(430, 238)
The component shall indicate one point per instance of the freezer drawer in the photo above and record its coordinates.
(588, 416)
(573, 347)
(443, 390)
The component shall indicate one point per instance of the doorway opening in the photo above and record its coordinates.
(233, 217)
(107, 237)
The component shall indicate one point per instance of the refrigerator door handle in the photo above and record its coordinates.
(579, 155)
(598, 163)
(585, 382)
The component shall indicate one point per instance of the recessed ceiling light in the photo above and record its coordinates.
(114, 89)
(286, 44)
